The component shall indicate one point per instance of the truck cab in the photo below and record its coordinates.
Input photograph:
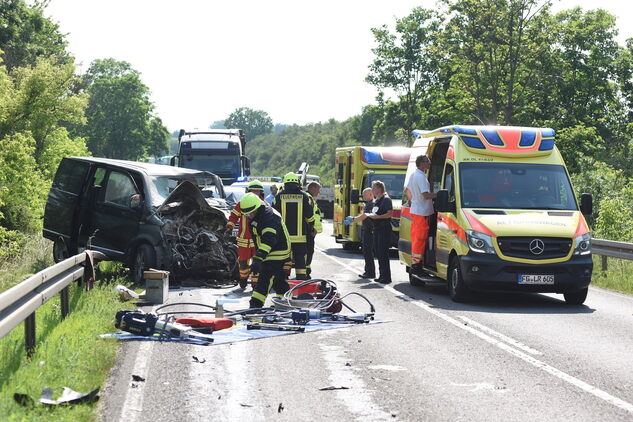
(356, 168)
(219, 151)
(506, 215)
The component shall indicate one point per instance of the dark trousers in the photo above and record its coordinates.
(309, 254)
(299, 252)
(271, 276)
(367, 239)
(382, 242)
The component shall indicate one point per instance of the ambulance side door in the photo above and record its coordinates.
(447, 226)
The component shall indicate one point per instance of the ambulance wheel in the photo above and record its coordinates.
(576, 297)
(350, 246)
(144, 259)
(457, 290)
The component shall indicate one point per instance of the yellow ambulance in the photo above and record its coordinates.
(355, 169)
(506, 215)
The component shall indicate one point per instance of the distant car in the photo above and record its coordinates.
(235, 191)
(145, 215)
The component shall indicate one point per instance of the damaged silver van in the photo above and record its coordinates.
(144, 215)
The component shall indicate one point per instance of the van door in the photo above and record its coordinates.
(113, 219)
(62, 205)
(341, 194)
(446, 223)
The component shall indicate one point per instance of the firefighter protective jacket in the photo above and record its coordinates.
(271, 236)
(244, 238)
(297, 211)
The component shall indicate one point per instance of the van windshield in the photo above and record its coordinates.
(162, 186)
(515, 186)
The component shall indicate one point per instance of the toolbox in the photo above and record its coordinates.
(156, 286)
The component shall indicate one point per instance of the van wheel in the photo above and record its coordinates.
(60, 251)
(457, 290)
(144, 259)
(576, 297)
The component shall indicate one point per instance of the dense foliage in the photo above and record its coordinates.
(43, 110)
(252, 122)
(506, 62)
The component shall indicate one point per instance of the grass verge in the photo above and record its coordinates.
(68, 353)
(618, 277)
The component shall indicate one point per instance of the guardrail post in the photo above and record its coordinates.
(603, 260)
(64, 302)
(29, 334)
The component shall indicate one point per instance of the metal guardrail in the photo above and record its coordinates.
(610, 248)
(20, 302)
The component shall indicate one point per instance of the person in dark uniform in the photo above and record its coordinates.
(273, 248)
(297, 210)
(366, 234)
(381, 218)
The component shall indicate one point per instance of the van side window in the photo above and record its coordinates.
(99, 176)
(70, 176)
(449, 182)
(119, 189)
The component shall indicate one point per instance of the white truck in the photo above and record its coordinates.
(219, 151)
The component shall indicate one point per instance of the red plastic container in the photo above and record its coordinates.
(310, 288)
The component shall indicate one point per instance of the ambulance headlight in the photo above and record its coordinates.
(583, 245)
(479, 242)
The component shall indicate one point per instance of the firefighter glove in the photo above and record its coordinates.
(256, 266)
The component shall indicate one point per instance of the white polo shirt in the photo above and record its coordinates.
(417, 185)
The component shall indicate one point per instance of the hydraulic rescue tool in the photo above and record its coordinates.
(147, 324)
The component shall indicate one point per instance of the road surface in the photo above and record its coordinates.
(504, 357)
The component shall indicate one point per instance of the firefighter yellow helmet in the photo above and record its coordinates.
(291, 178)
(249, 203)
(255, 185)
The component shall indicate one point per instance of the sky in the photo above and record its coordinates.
(300, 61)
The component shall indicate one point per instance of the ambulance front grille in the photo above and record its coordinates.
(529, 247)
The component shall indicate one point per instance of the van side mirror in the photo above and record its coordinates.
(172, 161)
(442, 204)
(135, 201)
(354, 196)
(586, 204)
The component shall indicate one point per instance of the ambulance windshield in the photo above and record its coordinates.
(515, 186)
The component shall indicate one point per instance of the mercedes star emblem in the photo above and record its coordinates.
(537, 246)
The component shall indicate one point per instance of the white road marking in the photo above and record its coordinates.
(601, 394)
(357, 399)
(387, 367)
(482, 386)
(133, 405)
(503, 337)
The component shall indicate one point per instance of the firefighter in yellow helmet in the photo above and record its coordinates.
(245, 245)
(297, 210)
(272, 244)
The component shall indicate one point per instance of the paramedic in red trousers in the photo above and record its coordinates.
(245, 244)
(419, 193)
(272, 242)
(381, 217)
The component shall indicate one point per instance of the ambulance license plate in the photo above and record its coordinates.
(536, 279)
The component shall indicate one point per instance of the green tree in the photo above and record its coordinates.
(25, 34)
(119, 111)
(253, 122)
(407, 62)
(158, 136)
